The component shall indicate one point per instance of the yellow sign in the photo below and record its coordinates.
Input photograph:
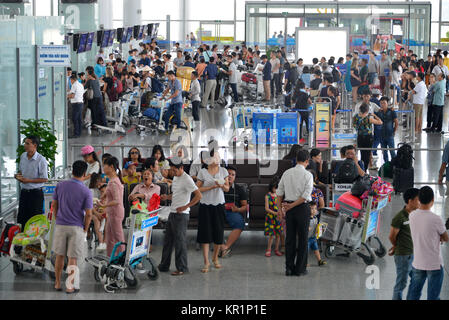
(230, 39)
(444, 40)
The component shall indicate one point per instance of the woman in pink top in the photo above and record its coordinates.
(115, 211)
(146, 189)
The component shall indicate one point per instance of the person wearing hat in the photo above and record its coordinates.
(93, 164)
(130, 177)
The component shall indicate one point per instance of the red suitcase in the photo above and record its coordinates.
(249, 78)
(349, 204)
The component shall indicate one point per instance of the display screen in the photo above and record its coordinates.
(155, 30)
(141, 32)
(105, 41)
(90, 40)
(83, 42)
(111, 38)
(333, 42)
(129, 34)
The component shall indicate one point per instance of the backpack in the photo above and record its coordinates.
(361, 185)
(116, 90)
(336, 75)
(8, 234)
(156, 86)
(404, 158)
(347, 173)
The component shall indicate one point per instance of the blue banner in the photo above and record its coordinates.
(287, 128)
(263, 125)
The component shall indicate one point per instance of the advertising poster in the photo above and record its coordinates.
(263, 124)
(322, 128)
(287, 128)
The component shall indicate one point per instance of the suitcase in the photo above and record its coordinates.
(403, 179)
(249, 78)
(333, 222)
(349, 205)
(351, 233)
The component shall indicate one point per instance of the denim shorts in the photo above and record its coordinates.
(235, 220)
(313, 244)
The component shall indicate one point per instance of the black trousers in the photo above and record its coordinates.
(176, 238)
(31, 203)
(365, 141)
(296, 241)
(429, 115)
(196, 110)
(437, 118)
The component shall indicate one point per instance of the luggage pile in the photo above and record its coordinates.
(346, 223)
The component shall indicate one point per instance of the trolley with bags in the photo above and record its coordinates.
(353, 225)
(120, 270)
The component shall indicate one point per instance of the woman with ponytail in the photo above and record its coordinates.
(115, 211)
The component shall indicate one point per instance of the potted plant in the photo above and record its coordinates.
(47, 146)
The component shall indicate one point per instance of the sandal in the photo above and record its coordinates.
(268, 254)
(217, 265)
(177, 273)
(279, 254)
(205, 269)
(225, 253)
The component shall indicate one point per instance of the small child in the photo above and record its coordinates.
(273, 226)
(98, 188)
(130, 177)
(313, 245)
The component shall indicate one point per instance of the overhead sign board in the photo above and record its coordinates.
(54, 56)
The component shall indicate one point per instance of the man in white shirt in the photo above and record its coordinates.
(195, 90)
(366, 97)
(294, 194)
(233, 77)
(178, 220)
(275, 67)
(419, 98)
(440, 68)
(76, 99)
(428, 232)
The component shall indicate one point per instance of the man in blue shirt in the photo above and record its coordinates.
(266, 77)
(189, 62)
(32, 175)
(174, 86)
(439, 90)
(210, 74)
(388, 128)
(144, 61)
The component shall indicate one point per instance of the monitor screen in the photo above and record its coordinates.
(83, 42)
(105, 41)
(111, 38)
(155, 30)
(141, 32)
(150, 29)
(90, 40)
(120, 35)
(76, 41)
(129, 34)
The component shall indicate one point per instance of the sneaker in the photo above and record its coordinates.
(101, 247)
(322, 263)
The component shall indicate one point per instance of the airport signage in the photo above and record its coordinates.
(54, 56)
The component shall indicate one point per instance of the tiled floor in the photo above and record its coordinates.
(247, 274)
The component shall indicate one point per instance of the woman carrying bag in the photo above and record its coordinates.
(363, 123)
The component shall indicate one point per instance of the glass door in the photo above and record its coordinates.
(217, 32)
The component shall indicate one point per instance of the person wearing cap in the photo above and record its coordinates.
(93, 164)
(175, 108)
(146, 78)
(130, 177)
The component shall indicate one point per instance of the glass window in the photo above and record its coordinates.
(445, 11)
(43, 8)
(169, 7)
(117, 13)
(241, 8)
(8, 113)
(434, 34)
(435, 10)
(210, 10)
(445, 31)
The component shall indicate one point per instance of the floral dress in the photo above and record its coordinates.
(273, 226)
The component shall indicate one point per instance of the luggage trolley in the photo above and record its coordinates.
(354, 235)
(120, 270)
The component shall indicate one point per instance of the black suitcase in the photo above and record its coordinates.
(403, 179)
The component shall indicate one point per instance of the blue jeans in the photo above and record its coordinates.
(174, 108)
(403, 271)
(434, 284)
(388, 142)
(234, 92)
(371, 77)
(77, 110)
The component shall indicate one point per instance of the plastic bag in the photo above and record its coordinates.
(154, 203)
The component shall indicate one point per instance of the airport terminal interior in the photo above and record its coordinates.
(252, 87)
